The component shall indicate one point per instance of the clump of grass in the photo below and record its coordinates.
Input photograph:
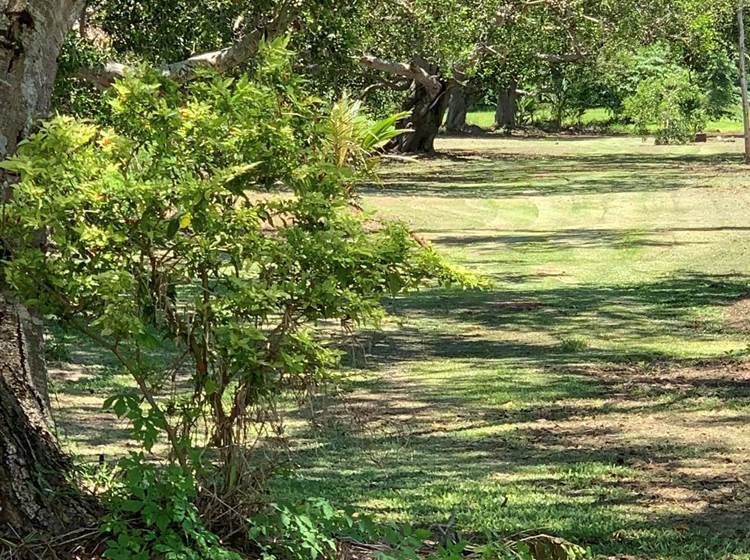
(56, 351)
(573, 345)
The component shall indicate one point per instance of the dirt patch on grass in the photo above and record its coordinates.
(683, 428)
(737, 316)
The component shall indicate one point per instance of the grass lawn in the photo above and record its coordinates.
(731, 124)
(599, 390)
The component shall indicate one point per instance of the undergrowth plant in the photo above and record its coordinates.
(670, 102)
(314, 529)
(205, 239)
(152, 511)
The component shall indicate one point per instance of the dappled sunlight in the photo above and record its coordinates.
(598, 389)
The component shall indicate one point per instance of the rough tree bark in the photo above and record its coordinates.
(31, 35)
(37, 498)
(743, 79)
(424, 122)
(458, 107)
(35, 494)
(427, 102)
(507, 107)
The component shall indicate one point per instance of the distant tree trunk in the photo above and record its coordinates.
(507, 107)
(427, 114)
(743, 79)
(458, 107)
(427, 102)
(428, 106)
(35, 493)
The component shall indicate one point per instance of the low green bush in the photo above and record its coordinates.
(672, 103)
(152, 514)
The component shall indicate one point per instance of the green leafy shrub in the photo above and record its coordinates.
(620, 71)
(315, 529)
(301, 531)
(528, 106)
(671, 103)
(721, 75)
(201, 239)
(152, 515)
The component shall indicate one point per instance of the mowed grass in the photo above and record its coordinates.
(730, 124)
(598, 391)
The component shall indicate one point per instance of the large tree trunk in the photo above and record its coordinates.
(507, 107)
(31, 35)
(458, 107)
(427, 103)
(428, 107)
(424, 122)
(36, 497)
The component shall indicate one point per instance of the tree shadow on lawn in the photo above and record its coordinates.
(612, 469)
(624, 313)
(632, 452)
(580, 470)
(524, 175)
(548, 241)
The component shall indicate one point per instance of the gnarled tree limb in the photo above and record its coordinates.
(220, 60)
(410, 71)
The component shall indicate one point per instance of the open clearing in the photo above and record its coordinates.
(598, 390)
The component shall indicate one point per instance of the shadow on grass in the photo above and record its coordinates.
(627, 313)
(546, 241)
(523, 175)
(543, 467)
(567, 481)
(630, 452)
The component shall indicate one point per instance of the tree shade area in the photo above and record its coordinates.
(382, 279)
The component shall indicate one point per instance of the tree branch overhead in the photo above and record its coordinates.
(221, 60)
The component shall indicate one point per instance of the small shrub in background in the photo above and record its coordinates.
(671, 105)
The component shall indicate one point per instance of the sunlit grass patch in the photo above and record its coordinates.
(599, 390)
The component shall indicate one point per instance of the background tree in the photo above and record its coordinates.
(444, 43)
(577, 55)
